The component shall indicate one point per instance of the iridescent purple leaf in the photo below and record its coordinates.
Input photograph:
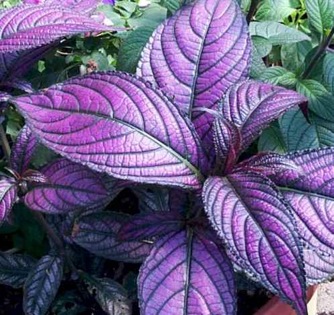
(82, 6)
(42, 285)
(268, 164)
(227, 141)
(97, 233)
(250, 215)
(14, 269)
(318, 266)
(127, 129)
(71, 187)
(196, 55)
(22, 150)
(311, 195)
(149, 225)
(4, 97)
(30, 26)
(186, 274)
(252, 105)
(8, 196)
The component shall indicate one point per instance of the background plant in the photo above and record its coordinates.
(253, 203)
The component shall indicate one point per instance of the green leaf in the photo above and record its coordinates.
(152, 16)
(320, 100)
(131, 48)
(320, 14)
(279, 76)
(277, 33)
(328, 71)
(276, 10)
(297, 133)
(257, 64)
(110, 295)
(42, 285)
(171, 5)
(325, 130)
(14, 269)
(271, 139)
(262, 45)
(293, 55)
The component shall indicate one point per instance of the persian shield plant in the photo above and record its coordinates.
(178, 134)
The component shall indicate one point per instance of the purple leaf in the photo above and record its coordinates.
(14, 65)
(227, 141)
(97, 233)
(318, 267)
(311, 195)
(4, 97)
(268, 164)
(71, 187)
(127, 129)
(196, 55)
(14, 269)
(23, 150)
(82, 6)
(42, 285)
(252, 105)
(249, 214)
(149, 225)
(30, 26)
(8, 196)
(186, 274)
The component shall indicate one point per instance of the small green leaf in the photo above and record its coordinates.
(262, 45)
(275, 10)
(277, 33)
(271, 140)
(131, 48)
(279, 76)
(320, 14)
(171, 5)
(328, 70)
(152, 16)
(293, 55)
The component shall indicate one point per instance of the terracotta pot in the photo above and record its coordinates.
(277, 307)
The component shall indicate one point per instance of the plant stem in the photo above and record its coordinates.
(4, 143)
(316, 57)
(252, 10)
(54, 237)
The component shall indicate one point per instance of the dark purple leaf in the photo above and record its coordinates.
(97, 233)
(186, 274)
(311, 195)
(252, 105)
(14, 269)
(71, 187)
(8, 196)
(318, 266)
(227, 141)
(15, 83)
(30, 26)
(149, 225)
(249, 214)
(4, 97)
(268, 164)
(23, 150)
(14, 65)
(111, 296)
(196, 55)
(127, 129)
(42, 285)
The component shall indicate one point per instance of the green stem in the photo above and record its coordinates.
(252, 10)
(4, 143)
(316, 57)
(54, 237)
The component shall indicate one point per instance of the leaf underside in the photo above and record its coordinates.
(8, 196)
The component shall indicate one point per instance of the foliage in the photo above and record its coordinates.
(222, 132)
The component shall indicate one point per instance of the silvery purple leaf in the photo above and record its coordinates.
(14, 269)
(252, 105)
(128, 129)
(311, 193)
(8, 196)
(82, 6)
(42, 285)
(71, 187)
(29, 26)
(97, 233)
(22, 150)
(318, 266)
(186, 274)
(196, 55)
(268, 164)
(250, 215)
(149, 225)
(227, 141)
(4, 97)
